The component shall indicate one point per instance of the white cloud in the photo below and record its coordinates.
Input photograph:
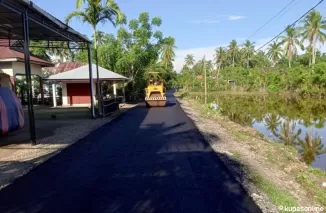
(261, 42)
(234, 18)
(321, 47)
(205, 21)
(198, 53)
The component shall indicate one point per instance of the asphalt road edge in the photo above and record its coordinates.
(261, 200)
(116, 115)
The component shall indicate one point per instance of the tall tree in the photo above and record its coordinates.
(248, 51)
(39, 52)
(94, 13)
(61, 51)
(99, 37)
(313, 30)
(167, 52)
(219, 57)
(274, 52)
(233, 50)
(141, 44)
(109, 52)
(260, 59)
(290, 42)
(190, 60)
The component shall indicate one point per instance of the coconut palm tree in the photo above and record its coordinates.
(290, 42)
(94, 13)
(219, 57)
(310, 148)
(313, 30)
(248, 51)
(308, 54)
(233, 50)
(190, 60)
(260, 59)
(274, 52)
(154, 66)
(167, 52)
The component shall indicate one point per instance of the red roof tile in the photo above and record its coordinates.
(5, 42)
(63, 67)
(8, 53)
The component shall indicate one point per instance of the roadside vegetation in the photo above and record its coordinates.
(286, 82)
(291, 63)
(275, 168)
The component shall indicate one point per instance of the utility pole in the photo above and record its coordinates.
(205, 79)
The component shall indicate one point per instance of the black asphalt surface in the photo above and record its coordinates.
(148, 160)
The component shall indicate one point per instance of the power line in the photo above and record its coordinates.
(270, 20)
(289, 9)
(291, 25)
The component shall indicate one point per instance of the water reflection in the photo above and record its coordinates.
(310, 147)
(273, 121)
(290, 120)
(288, 133)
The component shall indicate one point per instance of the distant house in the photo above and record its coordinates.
(12, 64)
(76, 87)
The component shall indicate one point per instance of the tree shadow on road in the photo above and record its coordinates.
(142, 162)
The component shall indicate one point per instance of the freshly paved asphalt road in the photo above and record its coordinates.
(148, 160)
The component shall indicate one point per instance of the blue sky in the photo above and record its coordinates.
(200, 26)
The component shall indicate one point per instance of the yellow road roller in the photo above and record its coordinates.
(155, 92)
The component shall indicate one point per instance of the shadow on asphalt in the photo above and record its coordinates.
(144, 161)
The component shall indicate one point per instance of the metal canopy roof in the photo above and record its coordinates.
(42, 25)
(82, 73)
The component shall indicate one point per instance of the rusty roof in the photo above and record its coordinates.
(63, 67)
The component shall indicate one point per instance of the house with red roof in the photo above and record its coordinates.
(12, 64)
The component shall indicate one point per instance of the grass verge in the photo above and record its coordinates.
(278, 197)
(281, 157)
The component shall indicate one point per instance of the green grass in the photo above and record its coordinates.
(278, 197)
(313, 188)
(239, 135)
(317, 172)
(281, 155)
(271, 157)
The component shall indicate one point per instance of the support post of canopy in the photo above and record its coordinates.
(91, 80)
(54, 94)
(28, 78)
(123, 91)
(41, 90)
(115, 89)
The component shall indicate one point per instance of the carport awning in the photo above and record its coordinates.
(82, 73)
(42, 25)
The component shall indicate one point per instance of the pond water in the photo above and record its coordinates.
(292, 120)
